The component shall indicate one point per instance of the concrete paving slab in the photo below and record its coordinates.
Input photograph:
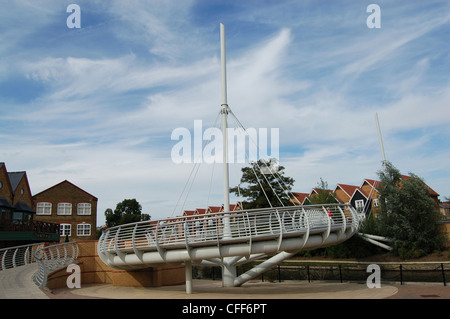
(17, 283)
(208, 289)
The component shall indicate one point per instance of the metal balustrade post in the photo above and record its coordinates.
(14, 258)
(401, 275)
(443, 274)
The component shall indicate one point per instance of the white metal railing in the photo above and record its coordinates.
(246, 225)
(53, 257)
(17, 256)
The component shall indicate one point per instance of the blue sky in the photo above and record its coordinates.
(97, 105)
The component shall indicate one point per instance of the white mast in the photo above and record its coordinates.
(381, 141)
(224, 111)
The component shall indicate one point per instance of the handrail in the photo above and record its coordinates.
(246, 225)
(11, 257)
(54, 257)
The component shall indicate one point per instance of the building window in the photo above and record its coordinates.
(83, 209)
(84, 229)
(359, 205)
(64, 209)
(376, 202)
(65, 229)
(44, 208)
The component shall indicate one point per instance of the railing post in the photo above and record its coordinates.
(14, 257)
(3, 260)
(279, 273)
(401, 275)
(307, 273)
(443, 274)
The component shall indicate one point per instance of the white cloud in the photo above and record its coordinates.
(103, 117)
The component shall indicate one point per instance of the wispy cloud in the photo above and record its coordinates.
(97, 105)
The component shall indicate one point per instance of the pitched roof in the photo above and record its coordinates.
(188, 212)
(15, 178)
(22, 207)
(200, 211)
(432, 192)
(65, 181)
(214, 209)
(348, 189)
(299, 196)
(5, 203)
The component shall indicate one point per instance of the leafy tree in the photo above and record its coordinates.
(323, 195)
(354, 247)
(127, 211)
(408, 214)
(267, 176)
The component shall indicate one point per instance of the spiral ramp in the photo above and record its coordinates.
(228, 239)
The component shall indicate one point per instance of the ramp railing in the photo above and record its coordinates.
(53, 257)
(17, 256)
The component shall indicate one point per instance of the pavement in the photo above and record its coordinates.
(208, 289)
(17, 283)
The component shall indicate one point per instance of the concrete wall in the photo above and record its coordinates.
(94, 271)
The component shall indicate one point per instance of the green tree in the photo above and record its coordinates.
(323, 195)
(267, 176)
(408, 214)
(355, 247)
(127, 211)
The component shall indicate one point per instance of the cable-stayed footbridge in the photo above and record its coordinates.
(228, 238)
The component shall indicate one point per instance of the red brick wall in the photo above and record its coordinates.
(66, 192)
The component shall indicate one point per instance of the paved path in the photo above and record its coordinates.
(17, 283)
(208, 289)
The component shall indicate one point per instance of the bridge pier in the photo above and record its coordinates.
(188, 272)
(228, 275)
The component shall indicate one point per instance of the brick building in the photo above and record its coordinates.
(74, 209)
(17, 217)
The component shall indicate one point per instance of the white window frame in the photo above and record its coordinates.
(84, 229)
(376, 202)
(359, 204)
(84, 209)
(64, 209)
(43, 208)
(65, 229)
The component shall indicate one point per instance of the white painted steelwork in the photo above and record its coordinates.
(201, 238)
(12, 257)
(54, 257)
(227, 238)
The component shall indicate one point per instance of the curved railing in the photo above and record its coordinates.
(177, 239)
(17, 256)
(53, 257)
